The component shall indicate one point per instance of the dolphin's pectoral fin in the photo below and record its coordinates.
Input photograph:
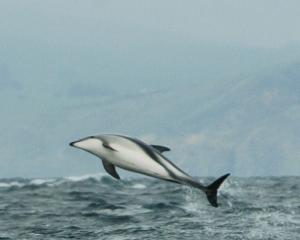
(161, 149)
(110, 169)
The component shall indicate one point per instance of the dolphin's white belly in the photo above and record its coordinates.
(137, 161)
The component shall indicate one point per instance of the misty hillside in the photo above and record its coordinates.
(244, 125)
(230, 127)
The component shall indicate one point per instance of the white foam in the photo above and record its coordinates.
(232, 188)
(138, 186)
(56, 183)
(194, 201)
(130, 210)
(11, 184)
(96, 176)
(41, 181)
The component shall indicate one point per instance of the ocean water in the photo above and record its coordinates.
(99, 207)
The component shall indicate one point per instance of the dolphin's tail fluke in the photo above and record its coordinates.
(212, 189)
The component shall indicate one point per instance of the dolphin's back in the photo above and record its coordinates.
(173, 171)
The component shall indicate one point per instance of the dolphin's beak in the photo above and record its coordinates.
(81, 143)
(72, 144)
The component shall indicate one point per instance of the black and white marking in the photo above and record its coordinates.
(135, 155)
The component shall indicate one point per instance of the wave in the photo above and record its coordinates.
(250, 208)
(49, 182)
(233, 191)
(11, 184)
(95, 176)
(138, 186)
(41, 181)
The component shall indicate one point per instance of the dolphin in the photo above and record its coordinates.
(134, 155)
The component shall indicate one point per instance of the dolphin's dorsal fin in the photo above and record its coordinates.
(161, 149)
(110, 169)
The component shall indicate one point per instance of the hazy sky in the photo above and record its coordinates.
(73, 68)
(257, 23)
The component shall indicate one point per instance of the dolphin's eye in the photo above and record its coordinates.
(108, 147)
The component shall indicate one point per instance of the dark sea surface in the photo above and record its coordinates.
(99, 207)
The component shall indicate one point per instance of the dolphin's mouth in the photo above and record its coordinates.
(72, 143)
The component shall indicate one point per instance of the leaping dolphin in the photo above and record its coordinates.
(135, 155)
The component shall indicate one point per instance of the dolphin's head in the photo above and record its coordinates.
(93, 144)
(90, 144)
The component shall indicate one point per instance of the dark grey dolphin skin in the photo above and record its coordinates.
(134, 155)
